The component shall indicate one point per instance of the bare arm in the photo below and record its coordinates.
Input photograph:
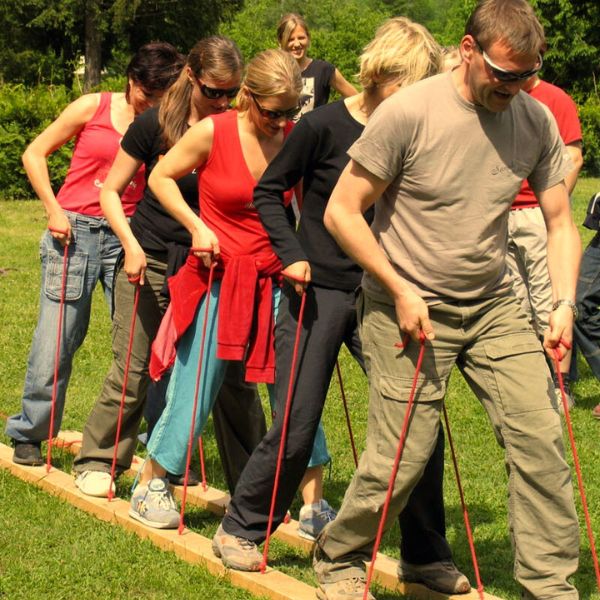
(357, 190)
(564, 255)
(121, 173)
(576, 155)
(341, 85)
(68, 124)
(188, 153)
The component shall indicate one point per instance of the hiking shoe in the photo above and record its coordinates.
(94, 483)
(236, 552)
(442, 576)
(28, 453)
(178, 479)
(346, 589)
(153, 505)
(312, 519)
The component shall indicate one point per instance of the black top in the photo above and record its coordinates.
(315, 85)
(152, 225)
(316, 151)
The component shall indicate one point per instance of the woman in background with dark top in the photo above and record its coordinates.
(156, 245)
(318, 76)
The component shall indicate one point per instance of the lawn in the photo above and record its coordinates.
(51, 550)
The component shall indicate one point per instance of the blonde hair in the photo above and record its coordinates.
(513, 21)
(401, 50)
(286, 25)
(216, 57)
(270, 73)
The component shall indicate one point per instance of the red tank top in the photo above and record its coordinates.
(225, 189)
(95, 149)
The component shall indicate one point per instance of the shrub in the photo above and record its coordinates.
(589, 114)
(25, 112)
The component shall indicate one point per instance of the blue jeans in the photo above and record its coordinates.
(92, 256)
(168, 443)
(587, 326)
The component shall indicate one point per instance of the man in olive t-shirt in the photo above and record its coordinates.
(443, 160)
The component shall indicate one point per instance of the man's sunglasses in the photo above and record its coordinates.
(215, 93)
(275, 115)
(509, 76)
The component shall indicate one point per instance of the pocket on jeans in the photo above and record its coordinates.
(394, 396)
(76, 269)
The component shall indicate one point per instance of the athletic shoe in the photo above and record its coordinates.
(346, 589)
(94, 483)
(178, 479)
(28, 453)
(570, 400)
(236, 552)
(442, 576)
(596, 411)
(153, 505)
(313, 517)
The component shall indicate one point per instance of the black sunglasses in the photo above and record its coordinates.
(509, 76)
(215, 93)
(275, 115)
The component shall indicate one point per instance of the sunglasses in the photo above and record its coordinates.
(275, 115)
(509, 76)
(215, 93)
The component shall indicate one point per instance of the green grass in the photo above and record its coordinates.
(51, 550)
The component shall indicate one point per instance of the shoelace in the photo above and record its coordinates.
(246, 544)
(163, 499)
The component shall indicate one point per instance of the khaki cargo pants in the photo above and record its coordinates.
(502, 361)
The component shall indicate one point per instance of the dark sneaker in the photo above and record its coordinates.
(153, 505)
(346, 589)
(442, 576)
(178, 479)
(236, 552)
(27, 453)
(313, 517)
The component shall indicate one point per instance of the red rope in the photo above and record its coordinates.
(464, 507)
(61, 309)
(113, 467)
(286, 417)
(400, 449)
(588, 523)
(195, 407)
(202, 467)
(348, 422)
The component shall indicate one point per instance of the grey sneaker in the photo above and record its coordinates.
(442, 576)
(28, 453)
(570, 400)
(154, 505)
(236, 552)
(346, 589)
(313, 517)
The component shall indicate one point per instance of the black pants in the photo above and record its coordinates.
(329, 320)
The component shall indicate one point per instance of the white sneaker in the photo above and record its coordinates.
(94, 483)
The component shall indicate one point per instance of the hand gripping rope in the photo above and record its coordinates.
(196, 393)
(286, 417)
(347, 412)
(136, 298)
(557, 356)
(63, 287)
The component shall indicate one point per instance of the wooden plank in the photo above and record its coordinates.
(216, 501)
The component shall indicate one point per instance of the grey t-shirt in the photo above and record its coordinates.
(453, 169)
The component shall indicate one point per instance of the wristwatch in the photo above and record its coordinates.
(568, 303)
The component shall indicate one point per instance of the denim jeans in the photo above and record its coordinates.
(587, 326)
(92, 256)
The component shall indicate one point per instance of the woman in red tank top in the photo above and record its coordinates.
(230, 152)
(97, 121)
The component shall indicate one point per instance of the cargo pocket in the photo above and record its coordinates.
(519, 372)
(76, 268)
(394, 393)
